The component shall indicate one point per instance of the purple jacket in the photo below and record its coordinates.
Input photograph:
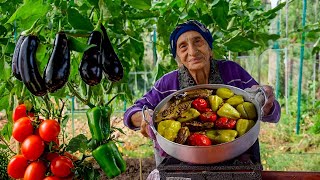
(231, 73)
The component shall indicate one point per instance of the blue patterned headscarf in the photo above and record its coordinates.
(190, 25)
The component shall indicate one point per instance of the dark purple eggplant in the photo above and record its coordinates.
(90, 66)
(111, 64)
(15, 64)
(28, 67)
(58, 68)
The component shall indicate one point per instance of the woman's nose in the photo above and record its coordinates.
(193, 51)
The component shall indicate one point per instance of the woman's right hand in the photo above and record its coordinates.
(137, 121)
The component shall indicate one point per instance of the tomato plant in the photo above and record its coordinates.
(61, 166)
(49, 130)
(17, 166)
(22, 128)
(35, 171)
(32, 147)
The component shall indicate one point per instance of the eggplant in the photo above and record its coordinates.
(90, 66)
(57, 70)
(28, 67)
(15, 64)
(111, 65)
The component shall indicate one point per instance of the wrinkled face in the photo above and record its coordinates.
(193, 51)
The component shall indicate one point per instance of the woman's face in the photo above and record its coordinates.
(193, 51)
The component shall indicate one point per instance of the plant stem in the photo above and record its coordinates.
(5, 142)
(109, 88)
(112, 99)
(46, 100)
(60, 113)
(75, 93)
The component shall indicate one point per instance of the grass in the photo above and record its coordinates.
(284, 150)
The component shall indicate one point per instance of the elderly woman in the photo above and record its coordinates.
(191, 46)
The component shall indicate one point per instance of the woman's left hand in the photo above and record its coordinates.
(270, 98)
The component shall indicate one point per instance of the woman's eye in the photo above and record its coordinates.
(198, 41)
(183, 47)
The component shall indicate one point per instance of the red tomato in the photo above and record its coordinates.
(22, 128)
(49, 130)
(17, 166)
(61, 166)
(51, 178)
(32, 147)
(19, 112)
(51, 155)
(35, 171)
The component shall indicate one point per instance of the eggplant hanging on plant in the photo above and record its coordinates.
(90, 66)
(111, 64)
(57, 70)
(28, 67)
(15, 65)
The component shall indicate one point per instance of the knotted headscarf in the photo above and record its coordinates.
(190, 25)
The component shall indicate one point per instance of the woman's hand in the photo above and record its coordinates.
(137, 121)
(270, 98)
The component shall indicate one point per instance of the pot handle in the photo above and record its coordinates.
(145, 119)
(259, 95)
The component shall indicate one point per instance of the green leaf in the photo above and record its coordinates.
(65, 120)
(113, 7)
(3, 30)
(119, 129)
(316, 47)
(76, 45)
(220, 13)
(4, 101)
(74, 72)
(239, 44)
(61, 93)
(263, 38)
(29, 12)
(91, 173)
(2, 146)
(274, 10)
(140, 4)
(6, 131)
(143, 14)
(93, 3)
(77, 21)
(42, 57)
(78, 143)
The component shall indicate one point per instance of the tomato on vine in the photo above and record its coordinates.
(22, 128)
(19, 112)
(51, 178)
(49, 130)
(61, 166)
(35, 171)
(32, 147)
(51, 155)
(17, 166)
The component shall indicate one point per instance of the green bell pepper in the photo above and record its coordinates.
(99, 122)
(109, 159)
